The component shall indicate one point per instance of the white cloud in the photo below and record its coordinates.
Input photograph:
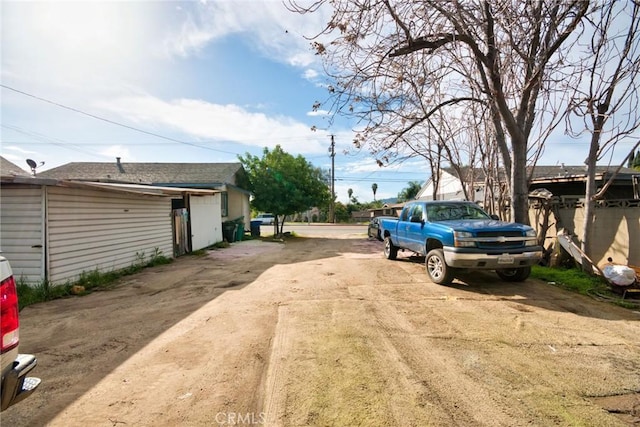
(361, 166)
(18, 149)
(72, 43)
(118, 151)
(271, 29)
(318, 113)
(220, 123)
(310, 74)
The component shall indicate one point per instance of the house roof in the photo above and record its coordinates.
(139, 189)
(541, 172)
(545, 172)
(149, 190)
(10, 169)
(186, 174)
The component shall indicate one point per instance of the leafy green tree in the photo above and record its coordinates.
(284, 184)
(409, 192)
(342, 212)
(376, 204)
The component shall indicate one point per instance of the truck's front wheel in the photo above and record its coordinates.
(437, 269)
(390, 250)
(514, 274)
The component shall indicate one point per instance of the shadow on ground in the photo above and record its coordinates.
(80, 340)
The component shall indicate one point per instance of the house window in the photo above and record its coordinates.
(225, 204)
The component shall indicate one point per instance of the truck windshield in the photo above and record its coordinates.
(453, 211)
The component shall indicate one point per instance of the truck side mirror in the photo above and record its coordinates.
(494, 216)
(416, 218)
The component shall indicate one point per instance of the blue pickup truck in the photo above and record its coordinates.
(456, 235)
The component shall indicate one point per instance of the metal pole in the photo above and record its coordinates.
(332, 216)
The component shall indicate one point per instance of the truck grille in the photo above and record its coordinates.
(497, 244)
(505, 245)
(499, 233)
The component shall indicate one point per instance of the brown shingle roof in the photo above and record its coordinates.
(149, 173)
(541, 172)
(10, 169)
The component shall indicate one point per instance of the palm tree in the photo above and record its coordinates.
(350, 192)
(410, 192)
(374, 187)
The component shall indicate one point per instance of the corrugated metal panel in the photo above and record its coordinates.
(206, 221)
(21, 235)
(91, 230)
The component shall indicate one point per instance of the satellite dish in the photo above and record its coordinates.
(33, 165)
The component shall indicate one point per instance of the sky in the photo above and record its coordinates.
(167, 81)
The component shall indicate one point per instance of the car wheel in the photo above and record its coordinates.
(390, 250)
(437, 269)
(514, 274)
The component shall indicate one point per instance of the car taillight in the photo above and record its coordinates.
(9, 325)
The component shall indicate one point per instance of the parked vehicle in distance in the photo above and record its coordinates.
(266, 218)
(373, 230)
(455, 235)
(15, 385)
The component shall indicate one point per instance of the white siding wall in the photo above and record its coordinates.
(449, 188)
(21, 235)
(103, 230)
(206, 221)
(239, 206)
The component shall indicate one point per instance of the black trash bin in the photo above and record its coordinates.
(229, 231)
(255, 227)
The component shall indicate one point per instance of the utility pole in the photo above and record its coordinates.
(332, 153)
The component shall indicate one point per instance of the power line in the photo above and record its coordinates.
(94, 116)
(49, 140)
(365, 179)
(113, 122)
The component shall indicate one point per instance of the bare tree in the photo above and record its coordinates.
(395, 64)
(607, 97)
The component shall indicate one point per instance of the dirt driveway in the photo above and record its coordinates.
(325, 332)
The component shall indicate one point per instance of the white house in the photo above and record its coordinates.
(450, 187)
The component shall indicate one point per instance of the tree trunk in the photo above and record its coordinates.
(589, 201)
(519, 184)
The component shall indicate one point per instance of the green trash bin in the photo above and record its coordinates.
(239, 232)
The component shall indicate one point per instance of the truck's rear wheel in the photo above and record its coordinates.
(390, 250)
(437, 269)
(514, 274)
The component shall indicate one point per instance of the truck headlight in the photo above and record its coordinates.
(463, 239)
(532, 238)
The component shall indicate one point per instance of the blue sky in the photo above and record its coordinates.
(212, 80)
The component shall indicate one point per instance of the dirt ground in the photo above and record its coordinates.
(326, 332)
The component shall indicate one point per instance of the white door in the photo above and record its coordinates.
(206, 221)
